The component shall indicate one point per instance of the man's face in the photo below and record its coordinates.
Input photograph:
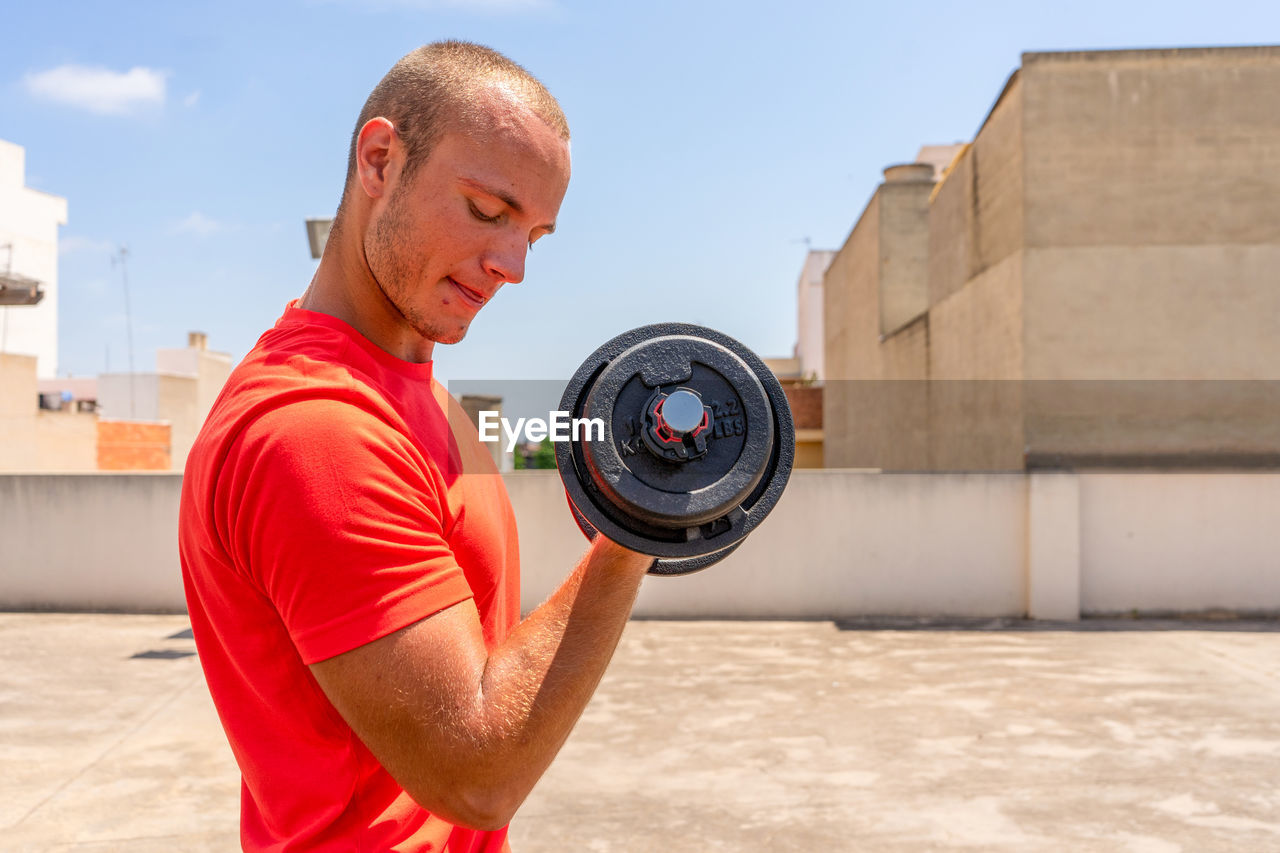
(445, 240)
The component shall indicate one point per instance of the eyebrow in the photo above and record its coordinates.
(506, 198)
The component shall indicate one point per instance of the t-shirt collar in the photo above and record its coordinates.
(293, 315)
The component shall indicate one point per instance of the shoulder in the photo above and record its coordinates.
(296, 395)
(318, 436)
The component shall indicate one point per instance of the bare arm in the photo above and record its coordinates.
(469, 732)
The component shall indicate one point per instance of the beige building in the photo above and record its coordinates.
(120, 422)
(1095, 279)
(29, 222)
(38, 439)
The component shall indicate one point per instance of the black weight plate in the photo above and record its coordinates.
(662, 534)
(685, 566)
(656, 490)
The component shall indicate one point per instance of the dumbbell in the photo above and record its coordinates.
(696, 447)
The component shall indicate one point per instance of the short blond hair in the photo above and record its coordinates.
(435, 88)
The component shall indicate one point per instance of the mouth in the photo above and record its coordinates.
(471, 297)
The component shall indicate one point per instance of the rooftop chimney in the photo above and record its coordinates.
(909, 172)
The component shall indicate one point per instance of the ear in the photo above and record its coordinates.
(377, 149)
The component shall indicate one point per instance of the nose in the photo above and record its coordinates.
(505, 260)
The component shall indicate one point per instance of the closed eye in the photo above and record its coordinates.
(479, 214)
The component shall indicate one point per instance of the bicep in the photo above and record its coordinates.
(414, 698)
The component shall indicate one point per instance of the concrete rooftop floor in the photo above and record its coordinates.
(735, 736)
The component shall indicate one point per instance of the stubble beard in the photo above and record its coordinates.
(385, 255)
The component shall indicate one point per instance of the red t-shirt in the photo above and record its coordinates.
(327, 503)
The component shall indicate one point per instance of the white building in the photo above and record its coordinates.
(809, 335)
(29, 222)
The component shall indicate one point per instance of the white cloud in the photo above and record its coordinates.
(198, 224)
(192, 99)
(73, 244)
(98, 90)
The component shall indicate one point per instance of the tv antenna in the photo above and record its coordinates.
(121, 257)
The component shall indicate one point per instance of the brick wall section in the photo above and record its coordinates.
(133, 446)
(806, 405)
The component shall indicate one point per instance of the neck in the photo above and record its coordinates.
(344, 287)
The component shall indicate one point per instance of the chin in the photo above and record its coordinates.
(437, 328)
(448, 336)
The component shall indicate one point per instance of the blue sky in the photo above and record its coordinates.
(710, 141)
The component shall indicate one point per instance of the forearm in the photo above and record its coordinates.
(537, 683)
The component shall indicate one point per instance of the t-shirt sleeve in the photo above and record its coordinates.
(339, 520)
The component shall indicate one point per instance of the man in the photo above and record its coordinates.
(354, 593)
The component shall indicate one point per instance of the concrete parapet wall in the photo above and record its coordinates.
(840, 544)
(1160, 542)
(90, 542)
